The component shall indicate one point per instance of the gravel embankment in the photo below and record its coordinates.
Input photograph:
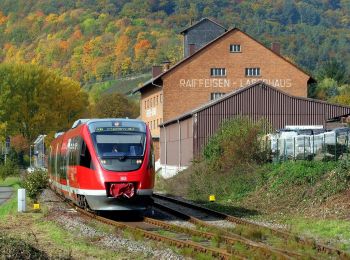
(70, 220)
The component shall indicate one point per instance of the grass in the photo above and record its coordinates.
(325, 229)
(68, 244)
(11, 181)
(10, 206)
(124, 85)
(166, 233)
(36, 234)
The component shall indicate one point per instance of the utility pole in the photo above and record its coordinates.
(30, 156)
(7, 146)
(43, 155)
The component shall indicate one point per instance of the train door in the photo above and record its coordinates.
(68, 168)
(56, 163)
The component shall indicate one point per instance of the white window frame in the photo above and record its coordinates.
(235, 48)
(216, 95)
(252, 72)
(218, 72)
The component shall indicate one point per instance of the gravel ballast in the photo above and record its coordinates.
(71, 221)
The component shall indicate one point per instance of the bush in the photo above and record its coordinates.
(35, 183)
(227, 167)
(237, 142)
(8, 169)
(12, 248)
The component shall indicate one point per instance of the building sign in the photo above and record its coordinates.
(151, 112)
(232, 83)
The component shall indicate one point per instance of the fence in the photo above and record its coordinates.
(332, 145)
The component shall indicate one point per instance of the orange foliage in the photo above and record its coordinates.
(77, 34)
(3, 18)
(143, 44)
(122, 45)
(64, 45)
(141, 47)
(87, 47)
(39, 13)
(19, 143)
(7, 46)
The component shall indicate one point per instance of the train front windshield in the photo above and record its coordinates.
(119, 148)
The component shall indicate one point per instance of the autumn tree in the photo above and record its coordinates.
(115, 105)
(35, 100)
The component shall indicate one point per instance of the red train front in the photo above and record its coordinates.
(104, 164)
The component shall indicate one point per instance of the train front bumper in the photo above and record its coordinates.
(141, 201)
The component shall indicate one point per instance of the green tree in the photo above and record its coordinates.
(333, 69)
(34, 100)
(115, 105)
(326, 89)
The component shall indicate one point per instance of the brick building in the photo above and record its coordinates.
(227, 61)
(183, 138)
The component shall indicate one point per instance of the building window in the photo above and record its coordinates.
(161, 98)
(252, 72)
(214, 96)
(235, 48)
(218, 72)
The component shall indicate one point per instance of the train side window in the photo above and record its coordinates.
(85, 156)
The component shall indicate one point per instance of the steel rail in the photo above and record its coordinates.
(319, 247)
(151, 235)
(230, 237)
(232, 240)
(222, 254)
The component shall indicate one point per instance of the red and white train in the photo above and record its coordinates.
(104, 164)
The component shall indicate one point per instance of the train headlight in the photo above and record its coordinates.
(138, 161)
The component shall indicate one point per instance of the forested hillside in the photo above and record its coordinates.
(95, 40)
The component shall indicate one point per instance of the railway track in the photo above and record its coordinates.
(149, 228)
(218, 242)
(183, 237)
(220, 247)
(204, 217)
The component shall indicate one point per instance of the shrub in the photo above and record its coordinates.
(8, 169)
(227, 167)
(35, 183)
(237, 142)
(12, 248)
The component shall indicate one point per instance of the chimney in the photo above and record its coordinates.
(276, 47)
(156, 70)
(166, 65)
(191, 48)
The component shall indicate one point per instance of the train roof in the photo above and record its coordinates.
(94, 120)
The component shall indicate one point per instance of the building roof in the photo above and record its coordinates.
(199, 22)
(157, 80)
(236, 92)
